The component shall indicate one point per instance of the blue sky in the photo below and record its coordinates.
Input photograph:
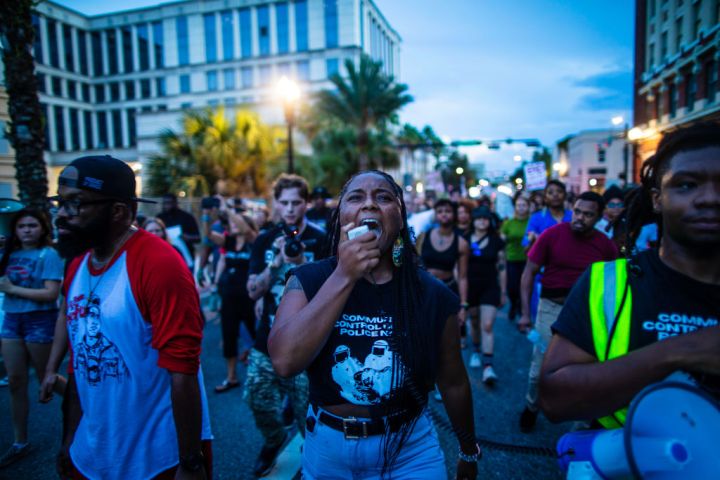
(492, 69)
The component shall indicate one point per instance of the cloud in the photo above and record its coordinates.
(609, 91)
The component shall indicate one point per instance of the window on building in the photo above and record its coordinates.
(184, 83)
(46, 123)
(663, 46)
(331, 23)
(283, 70)
(53, 43)
(226, 22)
(697, 18)
(126, 34)
(56, 83)
(678, 34)
(229, 79)
(145, 88)
(690, 92)
(301, 25)
(74, 129)
(112, 51)
(213, 102)
(143, 41)
(230, 101)
(86, 92)
(69, 52)
(652, 9)
(673, 100)
(59, 128)
(117, 128)
(130, 90)
(41, 82)
(102, 130)
(601, 154)
(245, 33)
(303, 70)
(37, 40)
(72, 90)
(162, 107)
(131, 126)
(183, 40)
(711, 80)
(158, 42)
(97, 54)
(99, 93)
(212, 80)
(651, 56)
(87, 117)
(333, 66)
(4, 143)
(186, 106)
(265, 73)
(659, 104)
(83, 53)
(263, 19)
(283, 33)
(160, 86)
(246, 74)
(114, 91)
(210, 37)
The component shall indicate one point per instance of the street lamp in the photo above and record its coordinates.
(617, 121)
(289, 93)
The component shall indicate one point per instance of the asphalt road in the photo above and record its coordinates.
(237, 441)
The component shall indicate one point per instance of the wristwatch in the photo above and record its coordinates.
(193, 462)
(471, 458)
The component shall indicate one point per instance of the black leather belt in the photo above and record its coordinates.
(352, 427)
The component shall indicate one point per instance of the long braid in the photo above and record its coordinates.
(413, 343)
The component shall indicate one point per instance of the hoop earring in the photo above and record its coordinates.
(397, 252)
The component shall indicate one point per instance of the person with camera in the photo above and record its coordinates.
(292, 242)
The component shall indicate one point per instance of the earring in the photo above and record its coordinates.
(397, 251)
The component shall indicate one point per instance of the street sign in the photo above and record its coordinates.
(535, 176)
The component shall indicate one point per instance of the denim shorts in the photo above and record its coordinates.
(32, 327)
(327, 454)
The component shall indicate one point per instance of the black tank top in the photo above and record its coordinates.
(444, 260)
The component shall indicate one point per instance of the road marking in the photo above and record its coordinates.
(289, 461)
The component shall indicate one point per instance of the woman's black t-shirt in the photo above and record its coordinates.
(233, 280)
(355, 365)
(482, 263)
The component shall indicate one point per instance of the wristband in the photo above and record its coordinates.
(464, 305)
(471, 458)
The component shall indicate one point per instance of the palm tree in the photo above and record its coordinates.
(25, 131)
(366, 100)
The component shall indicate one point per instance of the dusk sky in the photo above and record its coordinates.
(493, 69)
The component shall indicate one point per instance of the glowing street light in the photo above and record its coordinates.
(517, 158)
(617, 120)
(592, 182)
(289, 93)
(459, 170)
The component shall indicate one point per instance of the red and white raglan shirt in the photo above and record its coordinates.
(129, 326)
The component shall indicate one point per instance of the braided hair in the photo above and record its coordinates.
(640, 210)
(415, 346)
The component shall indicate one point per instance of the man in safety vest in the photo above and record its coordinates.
(631, 323)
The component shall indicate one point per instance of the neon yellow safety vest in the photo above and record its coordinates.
(608, 281)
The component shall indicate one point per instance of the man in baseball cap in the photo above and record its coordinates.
(145, 295)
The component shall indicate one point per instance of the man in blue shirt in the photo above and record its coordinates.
(554, 212)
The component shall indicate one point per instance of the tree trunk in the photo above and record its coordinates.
(362, 145)
(25, 131)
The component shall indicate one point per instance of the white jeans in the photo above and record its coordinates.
(547, 313)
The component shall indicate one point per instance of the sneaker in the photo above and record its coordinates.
(489, 377)
(14, 453)
(527, 420)
(475, 360)
(4, 382)
(267, 458)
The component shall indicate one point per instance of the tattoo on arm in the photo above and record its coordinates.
(293, 284)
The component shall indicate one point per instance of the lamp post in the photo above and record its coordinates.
(289, 93)
(617, 121)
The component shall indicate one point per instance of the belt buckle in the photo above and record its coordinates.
(350, 421)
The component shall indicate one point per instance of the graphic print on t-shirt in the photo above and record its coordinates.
(370, 382)
(95, 357)
(20, 271)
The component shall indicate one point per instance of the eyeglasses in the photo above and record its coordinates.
(615, 204)
(72, 206)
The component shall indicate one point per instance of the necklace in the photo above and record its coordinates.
(105, 267)
(443, 238)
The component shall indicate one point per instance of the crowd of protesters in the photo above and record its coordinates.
(345, 314)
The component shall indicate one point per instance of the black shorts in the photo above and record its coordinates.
(483, 294)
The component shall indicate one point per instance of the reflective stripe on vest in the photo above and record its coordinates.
(607, 287)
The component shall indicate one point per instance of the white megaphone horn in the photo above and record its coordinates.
(8, 208)
(672, 431)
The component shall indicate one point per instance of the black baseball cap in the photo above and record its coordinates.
(481, 212)
(102, 174)
(320, 192)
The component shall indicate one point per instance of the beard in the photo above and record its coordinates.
(82, 239)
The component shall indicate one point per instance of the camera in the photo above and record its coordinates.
(208, 203)
(293, 246)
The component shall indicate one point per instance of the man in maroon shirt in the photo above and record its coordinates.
(564, 251)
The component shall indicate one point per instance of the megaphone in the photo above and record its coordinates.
(8, 208)
(672, 431)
